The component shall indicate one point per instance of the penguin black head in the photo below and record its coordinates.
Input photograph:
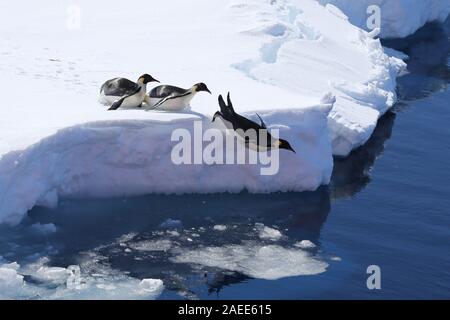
(201, 87)
(284, 144)
(146, 78)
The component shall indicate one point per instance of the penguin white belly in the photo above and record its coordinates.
(176, 104)
(227, 124)
(133, 101)
(130, 102)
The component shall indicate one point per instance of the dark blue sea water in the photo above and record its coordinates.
(388, 205)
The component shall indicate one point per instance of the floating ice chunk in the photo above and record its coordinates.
(265, 262)
(90, 281)
(220, 227)
(173, 233)
(44, 229)
(154, 286)
(171, 224)
(336, 258)
(305, 244)
(151, 245)
(267, 233)
(12, 265)
(52, 274)
(11, 282)
(126, 237)
(74, 278)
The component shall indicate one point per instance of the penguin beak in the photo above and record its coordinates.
(207, 90)
(283, 144)
(154, 80)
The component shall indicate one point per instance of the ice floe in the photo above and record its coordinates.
(302, 66)
(269, 262)
(91, 280)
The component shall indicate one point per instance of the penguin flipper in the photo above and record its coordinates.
(160, 102)
(263, 125)
(116, 105)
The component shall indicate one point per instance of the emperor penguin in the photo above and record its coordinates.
(171, 98)
(121, 92)
(243, 126)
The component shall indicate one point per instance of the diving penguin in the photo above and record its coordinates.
(243, 126)
(121, 92)
(172, 98)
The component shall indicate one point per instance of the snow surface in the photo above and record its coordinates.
(399, 18)
(322, 81)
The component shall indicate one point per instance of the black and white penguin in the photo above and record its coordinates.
(242, 126)
(121, 92)
(172, 98)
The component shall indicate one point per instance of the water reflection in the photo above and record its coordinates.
(428, 50)
(352, 174)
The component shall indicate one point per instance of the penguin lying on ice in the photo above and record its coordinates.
(234, 121)
(121, 92)
(172, 98)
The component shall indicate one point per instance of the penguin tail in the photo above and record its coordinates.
(230, 105)
(226, 108)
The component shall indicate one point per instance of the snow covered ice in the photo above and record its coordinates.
(302, 66)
